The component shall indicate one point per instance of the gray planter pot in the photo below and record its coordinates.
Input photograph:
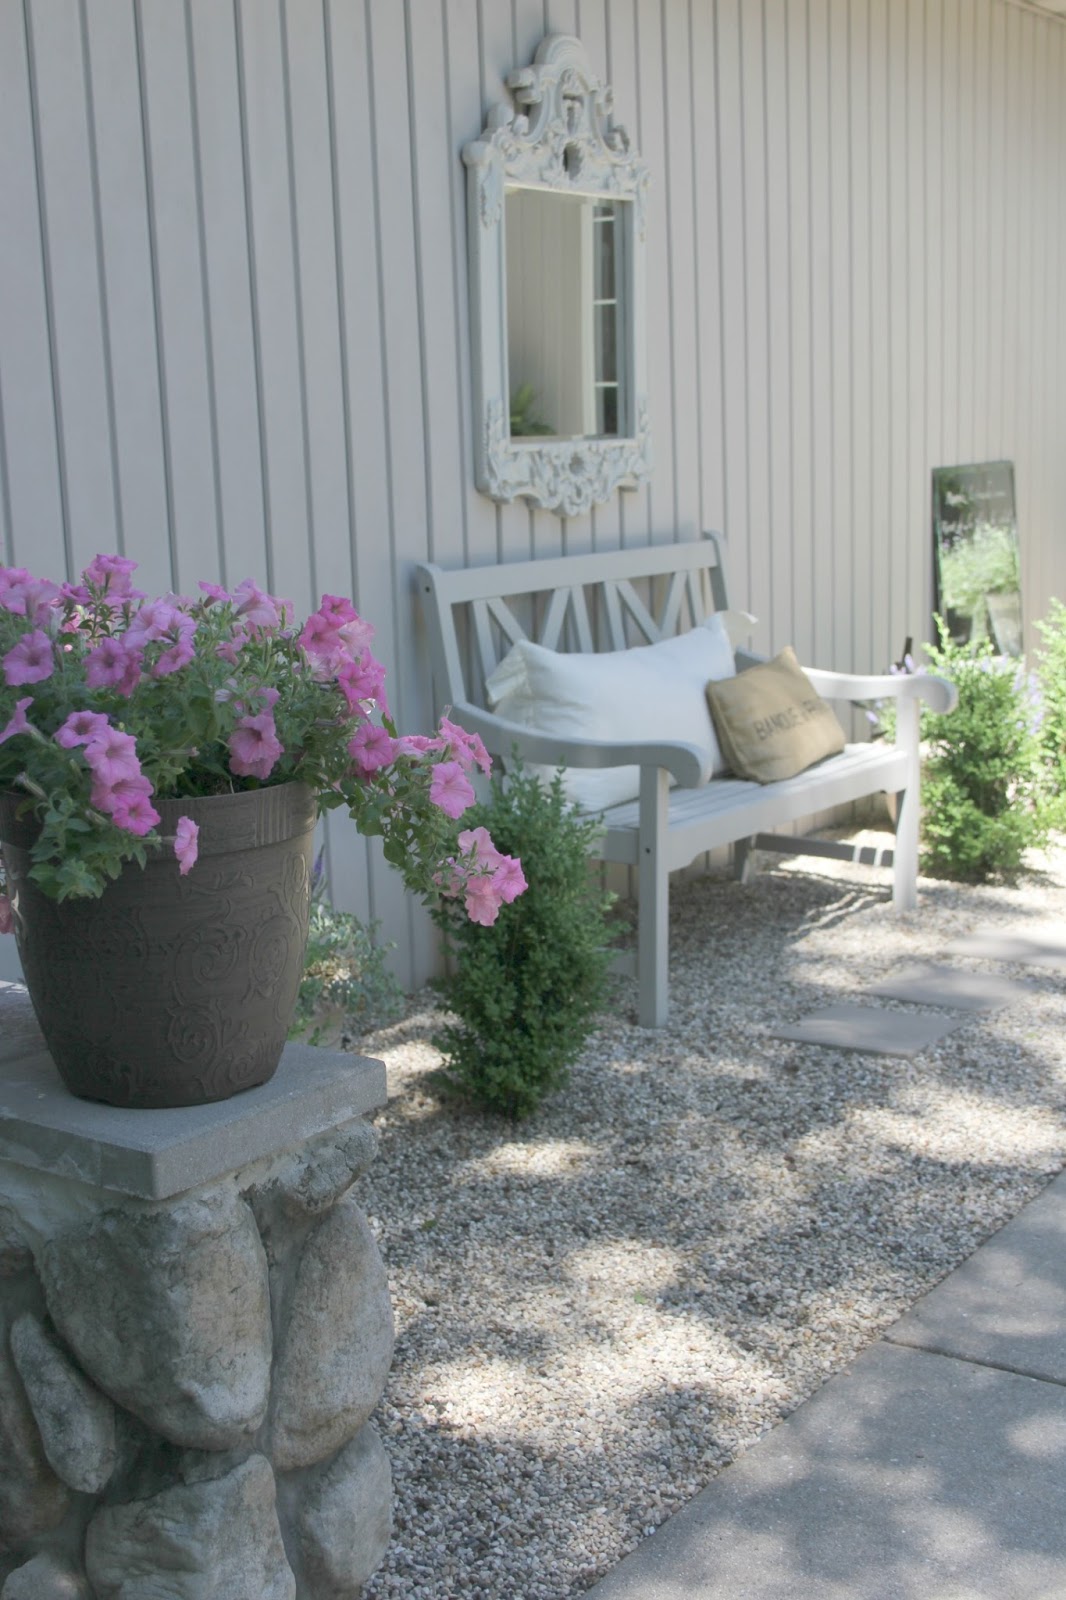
(172, 991)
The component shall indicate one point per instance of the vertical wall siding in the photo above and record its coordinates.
(234, 331)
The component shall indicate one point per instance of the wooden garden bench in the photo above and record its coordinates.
(611, 600)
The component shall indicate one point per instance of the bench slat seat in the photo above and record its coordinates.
(611, 600)
(708, 817)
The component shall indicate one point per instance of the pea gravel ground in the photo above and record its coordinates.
(598, 1308)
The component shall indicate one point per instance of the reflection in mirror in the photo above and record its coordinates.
(975, 535)
(566, 314)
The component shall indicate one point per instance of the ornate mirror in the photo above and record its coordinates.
(557, 230)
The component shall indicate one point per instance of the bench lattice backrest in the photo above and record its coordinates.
(604, 601)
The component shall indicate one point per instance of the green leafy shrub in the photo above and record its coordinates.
(1051, 676)
(981, 778)
(523, 993)
(346, 985)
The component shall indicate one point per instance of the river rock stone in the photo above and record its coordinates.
(344, 1522)
(167, 1309)
(216, 1539)
(76, 1421)
(334, 1353)
(32, 1499)
(46, 1577)
(15, 1253)
(308, 1181)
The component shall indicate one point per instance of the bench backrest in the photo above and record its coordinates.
(606, 600)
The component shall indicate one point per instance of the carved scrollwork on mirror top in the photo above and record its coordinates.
(557, 226)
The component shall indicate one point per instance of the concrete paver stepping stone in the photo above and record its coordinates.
(908, 1477)
(1040, 945)
(875, 1029)
(1006, 1305)
(929, 984)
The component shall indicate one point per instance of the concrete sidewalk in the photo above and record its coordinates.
(934, 1468)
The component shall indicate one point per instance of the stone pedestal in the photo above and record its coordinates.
(194, 1329)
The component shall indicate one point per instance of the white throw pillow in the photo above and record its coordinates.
(652, 692)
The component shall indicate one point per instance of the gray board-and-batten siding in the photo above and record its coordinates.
(234, 336)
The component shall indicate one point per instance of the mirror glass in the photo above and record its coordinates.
(975, 535)
(567, 314)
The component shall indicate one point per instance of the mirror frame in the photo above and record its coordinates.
(558, 136)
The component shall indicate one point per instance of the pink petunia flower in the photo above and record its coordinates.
(137, 815)
(7, 915)
(361, 680)
(181, 652)
(482, 901)
(450, 789)
(215, 593)
(29, 661)
(259, 609)
(79, 728)
(254, 747)
(112, 756)
(186, 844)
(466, 748)
(509, 880)
(155, 619)
(111, 575)
(372, 748)
(12, 580)
(113, 665)
(18, 723)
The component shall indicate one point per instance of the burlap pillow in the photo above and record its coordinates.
(771, 723)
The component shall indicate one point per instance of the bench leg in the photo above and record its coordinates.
(744, 860)
(905, 875)
(653, 887)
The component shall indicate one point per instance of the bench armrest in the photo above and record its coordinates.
(686, 763)
(937, 693)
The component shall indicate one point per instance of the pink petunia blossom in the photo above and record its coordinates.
(79, 728)
(113, 665)
(7, 915)
(254, 747)
(372, 748)
(509, 880)
(181, 652)
(482, 901)
(215, 593)
(259, 609)
(111, 575)
(466, 748)
(337, 611)
(18, 723)
(450, 789)
(112, 756)
(186, 844)
(12, 580)
(361, 680)
(155, 619)
(127, 801)
(29, 661)
(416, 744)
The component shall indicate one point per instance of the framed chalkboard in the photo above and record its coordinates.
(975, 551)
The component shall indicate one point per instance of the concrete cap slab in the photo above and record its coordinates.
(154, 1154)
(906, 1478)
(928, 983)
(875, 1029)
(1006, 1305)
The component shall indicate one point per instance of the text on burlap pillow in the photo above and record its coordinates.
(771, 723)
